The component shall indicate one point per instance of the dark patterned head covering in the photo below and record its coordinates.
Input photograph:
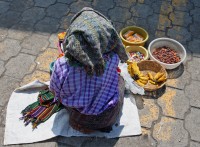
(89, 36)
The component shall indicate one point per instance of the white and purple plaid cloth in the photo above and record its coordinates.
(90, 95)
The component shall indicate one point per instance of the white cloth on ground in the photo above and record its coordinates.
(58, 124)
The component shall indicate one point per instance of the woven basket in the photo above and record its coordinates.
(153, 67)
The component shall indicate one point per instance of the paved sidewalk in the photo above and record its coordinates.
(28, 35)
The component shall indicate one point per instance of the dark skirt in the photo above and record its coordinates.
(103, 121)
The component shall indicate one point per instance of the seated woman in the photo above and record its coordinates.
(85, 81)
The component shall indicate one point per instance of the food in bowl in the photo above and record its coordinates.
(140, 31)
(136, 56)
(166, 55)
(132, 36)
(173, 44)
(147, 77)
(136, 53)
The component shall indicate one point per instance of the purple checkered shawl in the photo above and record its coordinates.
(90, 95)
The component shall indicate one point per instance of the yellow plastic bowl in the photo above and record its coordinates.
(140, 49)
(138, 30)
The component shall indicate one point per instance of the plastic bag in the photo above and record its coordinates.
(129, 82)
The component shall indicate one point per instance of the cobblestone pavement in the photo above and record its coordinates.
(28, 30)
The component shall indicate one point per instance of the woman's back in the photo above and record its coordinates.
(90, 95)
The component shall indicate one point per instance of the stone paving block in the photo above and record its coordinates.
(158, 22)
(103, 5)
(183, 5)
(105, 14)
(193, 68)
(37, 144)
(36, 75)
(194, 47)
(61, 30)
(66, 2)
(9, 48)
(160, 34)
(192, 124)
(23, 62)
(125, 4)
(189, 54)
(141, 10)
(192, 92)
(72, 141)
(9, 18)
(20, 30)
(77, 6)
(9, 84)
(53, 40)
(179, 82)
(2, 68)
(1, 136)
(65, 21)
(35, 44)
(196, 3)
(32, 15)
(181, 34)
(170, 132)
(146, 1)
(174, 103)
(139, 141)
(195, 29)
(151, 36)
(28, 51)
(138, 22)
(144, 140)
(4, 6)
(21, 5)
(122, 14)
(3, 33)
(148, 113)
(194, 144)
(57, 10)
(46, 58)
(162, 7)
(42, 3)
(180, 18)
(118, 26)
(3, 117)
(195, 14)
(48, 25)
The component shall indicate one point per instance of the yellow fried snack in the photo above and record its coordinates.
(158, 78)
(152, 82)
(150, 76)
(145, 78)
(143, 81)
(158, 75)
(133, 69)
(129, 62)
(162, 79)
(140, 83)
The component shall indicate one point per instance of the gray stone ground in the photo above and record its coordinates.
(28, 38)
